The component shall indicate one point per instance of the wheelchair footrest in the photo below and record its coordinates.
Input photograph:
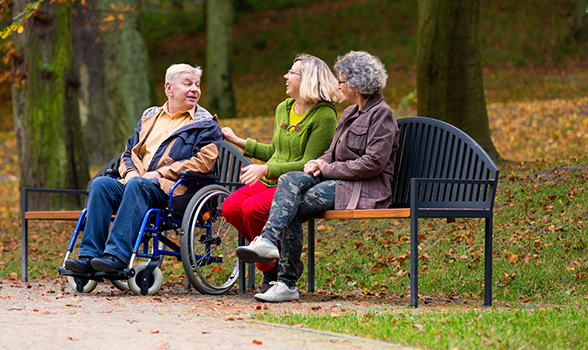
(99, 275)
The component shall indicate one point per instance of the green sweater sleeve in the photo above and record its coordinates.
(258, 150)
(318, 142)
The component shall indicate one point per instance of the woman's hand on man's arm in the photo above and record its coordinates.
(229, 135)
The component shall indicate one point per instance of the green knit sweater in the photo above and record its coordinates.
(289, 151)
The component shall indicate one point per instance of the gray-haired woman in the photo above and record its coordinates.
(354, 173)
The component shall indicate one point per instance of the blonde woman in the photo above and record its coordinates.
(303, 130)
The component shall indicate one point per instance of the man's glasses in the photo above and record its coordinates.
(342, 82)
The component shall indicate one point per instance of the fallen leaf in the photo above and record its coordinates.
(230, 319)
(418, 326)
(73, 338)
(106, 311)
(298, 325)
(257, 342)
(162, 346)
(155, 332)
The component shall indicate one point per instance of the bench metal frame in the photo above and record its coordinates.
(440, 172)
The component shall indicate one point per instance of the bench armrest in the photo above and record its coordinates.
(452, 193)
(199, 176)
(112, 172)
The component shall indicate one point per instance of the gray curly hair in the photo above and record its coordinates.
(362, 71)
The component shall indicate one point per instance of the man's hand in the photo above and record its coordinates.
(131, 174)
(253, 172)
(152, 175)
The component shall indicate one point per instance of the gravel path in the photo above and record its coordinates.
(47, 315)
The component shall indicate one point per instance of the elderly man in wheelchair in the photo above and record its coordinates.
(168, 142)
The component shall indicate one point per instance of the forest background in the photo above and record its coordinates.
(536, 86)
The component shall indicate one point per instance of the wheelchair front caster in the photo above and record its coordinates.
(120, 285)
(153, 281)
(81, 285)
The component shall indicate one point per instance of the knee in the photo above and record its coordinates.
(101, 183)
(230, 207)
(135, 185)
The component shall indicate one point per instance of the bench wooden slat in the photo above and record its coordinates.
(365, 214)
(72, 215)
(53, 215)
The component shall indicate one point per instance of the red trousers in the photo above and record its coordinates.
(247, 209)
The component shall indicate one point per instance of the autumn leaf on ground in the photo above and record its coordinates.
(163, 346)
(257, 342)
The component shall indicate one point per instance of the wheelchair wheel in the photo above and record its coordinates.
(208, 243)
(155, 280)
(120, 284)
(81, 285)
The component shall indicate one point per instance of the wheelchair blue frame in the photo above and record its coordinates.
(165, 221)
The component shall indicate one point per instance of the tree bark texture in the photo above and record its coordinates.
(51, 148)
(116, 85)
(219, 50)
(581, 21)
(449, 69)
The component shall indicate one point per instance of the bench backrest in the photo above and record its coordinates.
(230, 162)
(433, 149)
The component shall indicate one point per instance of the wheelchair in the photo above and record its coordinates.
(207, 243)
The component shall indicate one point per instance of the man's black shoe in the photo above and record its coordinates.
(108, 263)
(82, 264)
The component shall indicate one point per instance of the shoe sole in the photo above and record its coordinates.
(104, 268)
(249, 256)
(272, 301)
(74, 268)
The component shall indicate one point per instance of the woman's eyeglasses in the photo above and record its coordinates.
(293, 72)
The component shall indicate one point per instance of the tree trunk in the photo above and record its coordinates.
(581, 21)
(219, 49)
(113, 65)
(51, 150)
(449, 69)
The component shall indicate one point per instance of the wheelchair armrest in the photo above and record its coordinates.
(199, 175)
(112, 172)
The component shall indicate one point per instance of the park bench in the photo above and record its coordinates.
(440, 172)
(229, 163)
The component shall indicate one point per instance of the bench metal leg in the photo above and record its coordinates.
(251, 281)
(414, 261)
(242, 288)
(311, 256)
(25, 236)
(488, 263)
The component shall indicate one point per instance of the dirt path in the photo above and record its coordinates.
(46, 315)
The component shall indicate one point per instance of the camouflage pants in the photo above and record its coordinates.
(298, 198)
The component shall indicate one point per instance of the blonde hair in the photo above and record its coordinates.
(317, 82)
(176, 69)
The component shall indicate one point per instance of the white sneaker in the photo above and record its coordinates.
(277, 293)
(258, 251)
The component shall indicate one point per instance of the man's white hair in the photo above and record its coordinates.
(176, 69)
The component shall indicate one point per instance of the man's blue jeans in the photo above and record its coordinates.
(129, 202)
(299, 197)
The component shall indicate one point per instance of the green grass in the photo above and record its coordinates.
(514, 328)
